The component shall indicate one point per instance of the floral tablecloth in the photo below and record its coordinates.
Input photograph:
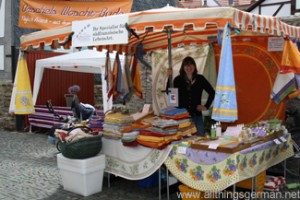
(132, 163)
(215, 171)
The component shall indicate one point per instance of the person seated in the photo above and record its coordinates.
(80, 110)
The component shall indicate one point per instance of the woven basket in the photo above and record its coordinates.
(81, 148)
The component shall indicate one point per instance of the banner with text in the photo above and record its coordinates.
(100, 31)
(47, 15)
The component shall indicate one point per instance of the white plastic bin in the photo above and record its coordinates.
(82, 176)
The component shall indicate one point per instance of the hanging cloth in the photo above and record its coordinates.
(108, 77)
(290, 61)
(22, 101)
(284, 84)
(136, 77)
(225, 103)
(117, 73)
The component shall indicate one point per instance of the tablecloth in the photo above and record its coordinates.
(215, 171)
(132, 163)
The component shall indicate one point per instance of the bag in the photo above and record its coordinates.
(81, 148)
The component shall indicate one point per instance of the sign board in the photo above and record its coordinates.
(100, 31)
(48, 15)
(275, 43)
(173, 97)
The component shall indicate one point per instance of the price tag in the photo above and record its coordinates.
(181, 150)
(213, 146)
(283, 139)
(277, 141)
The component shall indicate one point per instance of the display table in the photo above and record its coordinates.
(214, 171)
(132, 163)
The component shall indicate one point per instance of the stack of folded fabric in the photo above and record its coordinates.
(115, 123)
(183, 118)
(161, 133)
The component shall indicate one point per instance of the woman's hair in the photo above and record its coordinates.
(74, 89)
(188, 61)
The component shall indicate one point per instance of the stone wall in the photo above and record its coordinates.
(7, 121)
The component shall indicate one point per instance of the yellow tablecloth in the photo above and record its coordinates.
(234, 168)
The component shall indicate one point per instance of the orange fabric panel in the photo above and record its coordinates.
(255, 71)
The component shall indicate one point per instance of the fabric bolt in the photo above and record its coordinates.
(176, 117)
(172, 111)
(283, 86)
(163, 123)
(225, 103)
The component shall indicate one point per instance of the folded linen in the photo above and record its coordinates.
(284, 84)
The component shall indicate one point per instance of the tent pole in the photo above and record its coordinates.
(170, 57)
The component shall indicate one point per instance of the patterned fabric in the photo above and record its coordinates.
(283, 86)
(225, 103)
(199, 169)
(160, 66)
(21, 101)
(290, 61)
(132, 163)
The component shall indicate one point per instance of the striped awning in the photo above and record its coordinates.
(189, 26)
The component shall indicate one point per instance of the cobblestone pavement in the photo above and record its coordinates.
(28, 171)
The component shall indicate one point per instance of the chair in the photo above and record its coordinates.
(69, 98)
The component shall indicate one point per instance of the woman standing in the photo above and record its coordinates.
(190, 87)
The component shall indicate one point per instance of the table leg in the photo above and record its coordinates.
(108, 180)
(167, 175)
(253, 185)
(284, 169)
(159, 183)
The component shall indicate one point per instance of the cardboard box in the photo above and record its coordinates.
(82, 176)
(260, 180)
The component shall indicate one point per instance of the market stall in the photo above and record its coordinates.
(189, 31)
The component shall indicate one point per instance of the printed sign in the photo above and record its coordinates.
(100, 31)
(173, 97)
(47, 15)
(275, 43)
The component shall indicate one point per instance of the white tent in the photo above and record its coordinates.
(87, 61)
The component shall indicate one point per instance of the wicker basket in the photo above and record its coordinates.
(81, 148)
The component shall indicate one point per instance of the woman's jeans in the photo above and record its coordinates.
(198, 121)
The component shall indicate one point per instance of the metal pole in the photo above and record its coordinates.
(170, 57)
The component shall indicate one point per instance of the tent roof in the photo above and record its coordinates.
(89, 61)
(188, 26)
